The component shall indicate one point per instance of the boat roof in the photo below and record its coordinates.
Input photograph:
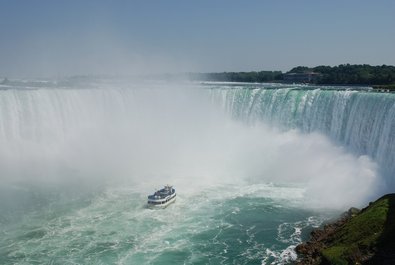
(162, 193)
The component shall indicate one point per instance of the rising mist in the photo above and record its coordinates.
(148, 134)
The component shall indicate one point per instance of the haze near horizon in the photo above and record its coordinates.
(56, 38)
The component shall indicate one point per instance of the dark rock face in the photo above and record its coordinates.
(311, 253)
(319, 239)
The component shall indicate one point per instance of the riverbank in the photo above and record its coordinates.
(384, 88)
(357, 237)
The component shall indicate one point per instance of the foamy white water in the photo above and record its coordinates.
(78, 158)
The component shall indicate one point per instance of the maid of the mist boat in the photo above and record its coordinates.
(162, 197)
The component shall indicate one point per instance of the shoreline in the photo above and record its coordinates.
(356, 237)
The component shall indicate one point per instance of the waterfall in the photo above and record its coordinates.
(47, 119)
(97, 130)
(51, 115)
(363, 121)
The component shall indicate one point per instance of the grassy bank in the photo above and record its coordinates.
(364, 235)
(367, 237)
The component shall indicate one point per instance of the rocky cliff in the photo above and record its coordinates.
(357, 237)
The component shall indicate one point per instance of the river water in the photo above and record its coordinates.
(255, 167)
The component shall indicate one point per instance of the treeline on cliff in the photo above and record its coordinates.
(359, 74)
(344, 74)
(248, 77)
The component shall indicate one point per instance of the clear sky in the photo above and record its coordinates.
(53, 37)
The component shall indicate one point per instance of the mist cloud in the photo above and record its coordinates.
(150, 134)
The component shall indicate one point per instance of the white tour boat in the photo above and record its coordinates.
(162, 197)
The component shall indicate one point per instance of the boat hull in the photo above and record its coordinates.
(161, 205)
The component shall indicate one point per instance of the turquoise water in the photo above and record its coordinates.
(252, 224)
(256, 168)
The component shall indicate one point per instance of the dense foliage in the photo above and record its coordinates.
(251, 77)
(344, 74)
(360, 74)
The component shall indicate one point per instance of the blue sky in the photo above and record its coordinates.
(52, 38)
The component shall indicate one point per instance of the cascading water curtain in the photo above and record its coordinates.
(362, 121)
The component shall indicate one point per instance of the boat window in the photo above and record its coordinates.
(152, 202)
